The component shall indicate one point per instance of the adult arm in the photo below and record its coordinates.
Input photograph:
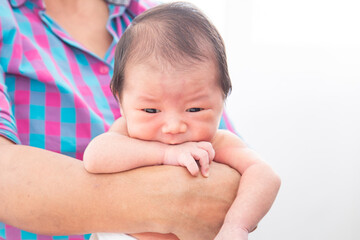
(49, 193)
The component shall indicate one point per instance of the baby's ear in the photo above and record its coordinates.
(121, 109)
(117, 95)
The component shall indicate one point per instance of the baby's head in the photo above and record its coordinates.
(171, 75)
(175, 35)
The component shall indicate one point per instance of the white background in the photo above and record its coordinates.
(295, 67)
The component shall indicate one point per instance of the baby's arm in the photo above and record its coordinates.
(115, 151)
(258, 186)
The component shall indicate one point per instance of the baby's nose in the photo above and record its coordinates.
(174, 126)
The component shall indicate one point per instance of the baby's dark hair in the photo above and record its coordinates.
(175, 33)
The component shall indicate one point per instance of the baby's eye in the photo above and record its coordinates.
(194, 109)
(151, 110)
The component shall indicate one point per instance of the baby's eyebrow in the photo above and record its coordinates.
(147, 98)
(198, 97)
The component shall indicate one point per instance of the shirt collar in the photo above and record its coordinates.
(40, 3)
(19, 3)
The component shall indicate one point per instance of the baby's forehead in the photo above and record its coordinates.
(154, 80)
(156, 71)
(161, 64)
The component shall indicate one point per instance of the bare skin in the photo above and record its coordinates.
(171, 117)
(151, 199)
(49, 182)
(85, 21)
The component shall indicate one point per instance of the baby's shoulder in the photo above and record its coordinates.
(225, 138)
(119, 126)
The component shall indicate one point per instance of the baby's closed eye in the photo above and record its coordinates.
(194, 109)
(151, 110)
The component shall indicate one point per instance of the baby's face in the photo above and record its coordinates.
(170, 105)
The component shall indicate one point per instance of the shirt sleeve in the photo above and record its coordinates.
(7, 121)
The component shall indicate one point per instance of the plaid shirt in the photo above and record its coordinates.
(54, 93)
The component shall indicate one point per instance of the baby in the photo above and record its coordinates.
(171, 80)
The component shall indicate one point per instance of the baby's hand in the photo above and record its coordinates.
(186, 154)
(229, 232)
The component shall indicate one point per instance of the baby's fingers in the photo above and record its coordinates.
(188, 161)
(203, 157)
(207, 147)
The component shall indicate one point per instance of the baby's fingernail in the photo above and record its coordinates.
(206, 174)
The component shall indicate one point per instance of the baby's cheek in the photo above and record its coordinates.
(205, 132)
(140, 132)
(140, 127)
(206, 126)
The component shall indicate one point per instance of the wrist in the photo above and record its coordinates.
(168, 153)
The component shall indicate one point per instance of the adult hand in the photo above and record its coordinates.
(200, 203)
(204, 203)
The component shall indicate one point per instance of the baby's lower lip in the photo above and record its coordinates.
(172, 141)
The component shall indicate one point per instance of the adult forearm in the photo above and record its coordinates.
(48, 193)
